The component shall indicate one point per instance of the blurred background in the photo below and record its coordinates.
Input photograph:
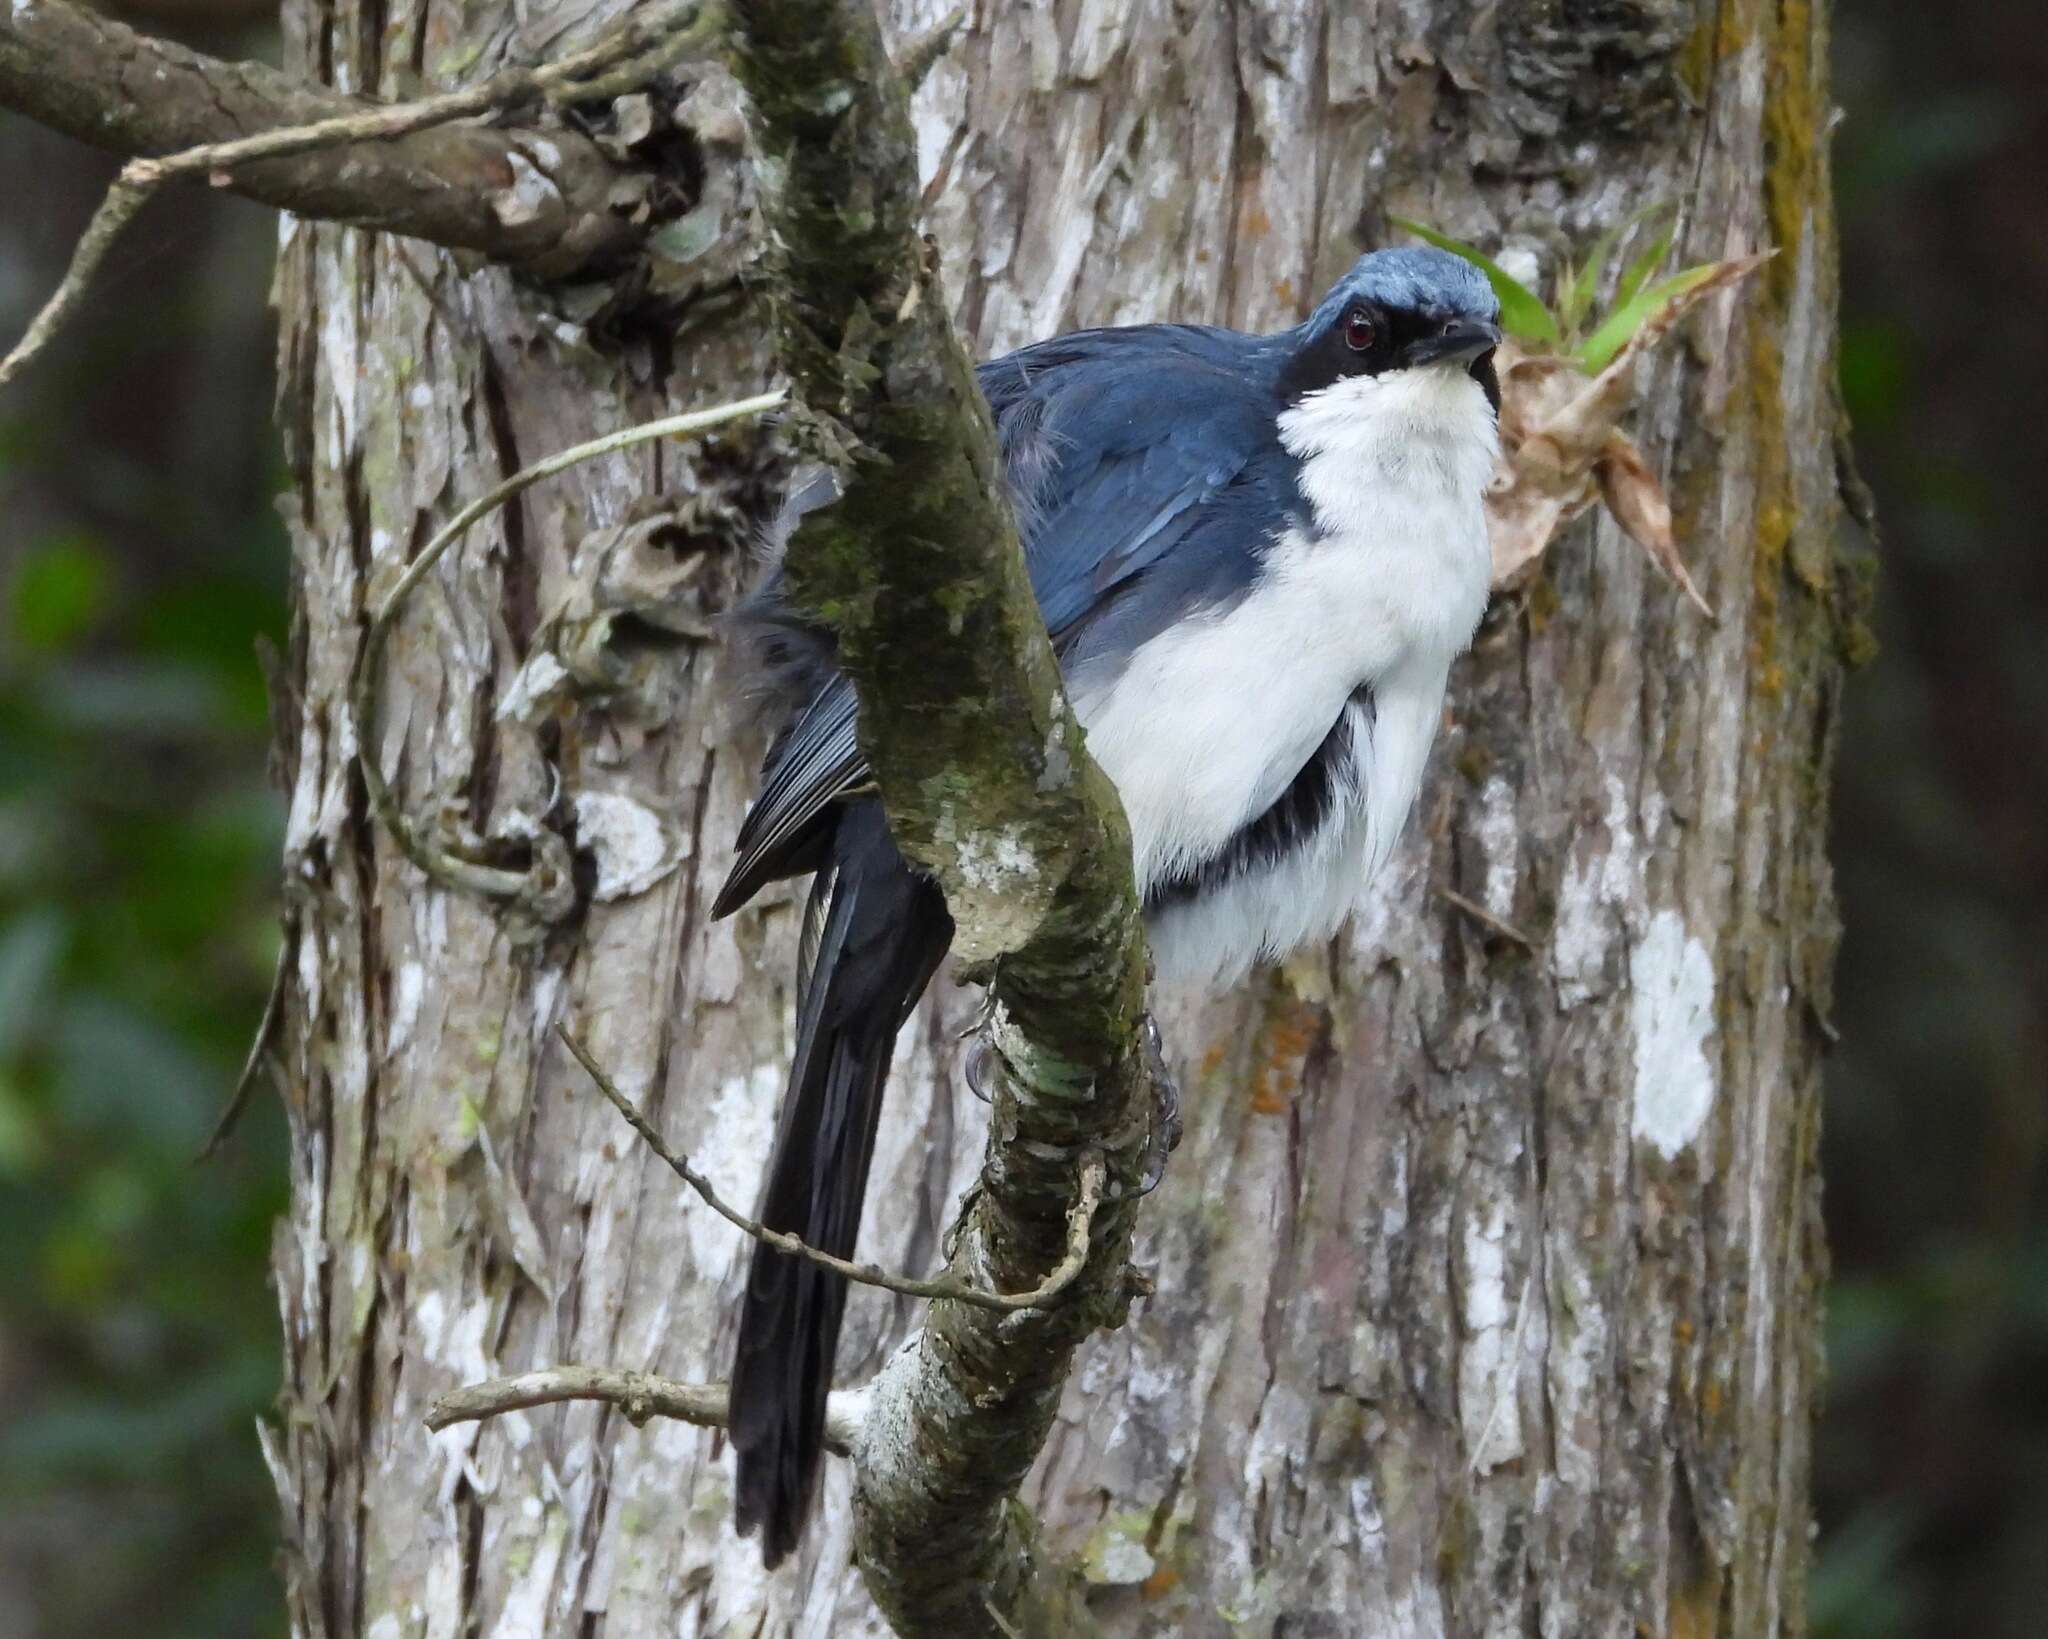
(141, 562)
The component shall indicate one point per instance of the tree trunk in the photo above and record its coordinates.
(1487, 1275)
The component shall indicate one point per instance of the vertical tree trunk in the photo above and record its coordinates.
(1487, 1275)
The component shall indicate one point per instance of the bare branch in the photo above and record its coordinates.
(551, 203)
(637, 1394)
(945, 1289)
(543, 890)
(650, 39)
(650, 44)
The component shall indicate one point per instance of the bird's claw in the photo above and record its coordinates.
(980, 1069)
(1164, 1138)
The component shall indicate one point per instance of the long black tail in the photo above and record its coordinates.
(883, 935)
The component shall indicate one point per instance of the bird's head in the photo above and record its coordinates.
(1408, 309)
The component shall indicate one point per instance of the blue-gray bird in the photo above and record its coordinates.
(1257, 557)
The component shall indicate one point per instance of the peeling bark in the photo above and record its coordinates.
(1487, 1275)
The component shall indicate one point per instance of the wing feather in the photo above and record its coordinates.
(816, 764)
(1118, 446)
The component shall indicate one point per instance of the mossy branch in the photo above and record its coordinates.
(988, 785)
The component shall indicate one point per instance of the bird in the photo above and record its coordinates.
(1257, 557)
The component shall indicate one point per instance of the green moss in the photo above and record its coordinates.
(1460, 1534)
(1695, 63)
(1474, 761)
(1793, 125)
(1855, 600)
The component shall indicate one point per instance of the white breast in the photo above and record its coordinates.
(1208, 723)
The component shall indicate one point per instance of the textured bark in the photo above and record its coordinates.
(1487, 1276)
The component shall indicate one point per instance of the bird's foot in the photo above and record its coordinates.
(1164, 1137)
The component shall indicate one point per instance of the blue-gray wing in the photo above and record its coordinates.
(1117, 443)
(1144, 456)
(811, 768)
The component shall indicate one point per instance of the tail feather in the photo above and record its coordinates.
(882, 935)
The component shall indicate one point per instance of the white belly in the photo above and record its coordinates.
(1209, 722)
(1274, 908)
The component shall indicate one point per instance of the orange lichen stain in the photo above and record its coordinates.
(1160, 1583)
(1257, 224)
(1283, 292)
(1710, 1399)
(1681, 1329)
(1696, 1610)
(1281, 1051)
(1212, 1061)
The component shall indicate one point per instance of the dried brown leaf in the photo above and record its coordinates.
(1637, 500)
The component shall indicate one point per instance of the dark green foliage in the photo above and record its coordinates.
(1929, 1472)
(138, 913)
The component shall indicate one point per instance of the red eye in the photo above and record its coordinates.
(1359, 334)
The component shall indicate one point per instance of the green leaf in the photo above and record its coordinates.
(1575, 292)
(28, 956)
(60, 591)
(1521, 314)
(1644, 265)
(1598, 350)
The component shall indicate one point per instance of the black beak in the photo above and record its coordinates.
(1461, 339)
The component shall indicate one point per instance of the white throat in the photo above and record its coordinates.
(1395, 469)
(1393, 438)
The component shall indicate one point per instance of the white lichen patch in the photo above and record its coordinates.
(1671, 1013)
(534, 1556)
(739, 1131)
(633, 845)
(1115, 1554)
(341, 353)
(1500, 837)
(996, 889)
(995, 864)
(407, 988)
(535, 689)
(1059, 767)
(453, 1340)
(1600, 880)
(1488, 1361)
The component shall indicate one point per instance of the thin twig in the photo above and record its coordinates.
(266, 1027)
(123, 200)
(1479, 913)
(655, 40)
(637, 1394)
(1003, 1623)
(448, 869)
(947, 1288)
